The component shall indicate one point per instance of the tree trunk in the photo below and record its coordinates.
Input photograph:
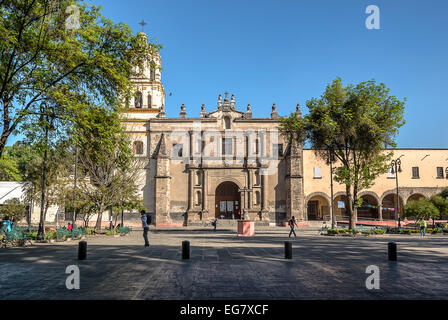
(351, 211)
(116, 221)
(4, 137)
(100, 217)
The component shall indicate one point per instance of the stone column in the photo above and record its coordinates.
(205, 212)
(243, 206)
(190, 190)
(380, 212)
(249, 187)
(264, 195)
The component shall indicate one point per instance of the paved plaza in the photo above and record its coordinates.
(223, 266)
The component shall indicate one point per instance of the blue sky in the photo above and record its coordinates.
(287, 51)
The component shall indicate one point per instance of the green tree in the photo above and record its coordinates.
(22, 153)
(128, 198)
(106, 159)
(444, 193)
(421, 209)
(356, 124)
(13, 208)
(66, 51)
(9, 168)
(58, 166)
(441, 204)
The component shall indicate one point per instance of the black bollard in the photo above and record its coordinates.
(82, 250)
(185, 249)
(288, 250)
(392, 251)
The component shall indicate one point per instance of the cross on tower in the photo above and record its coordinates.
(143, 24)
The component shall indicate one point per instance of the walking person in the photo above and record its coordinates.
(292, 224)
(214, 222)
(423, 227)
(146, 220)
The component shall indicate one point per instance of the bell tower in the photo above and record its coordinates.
(148, 98)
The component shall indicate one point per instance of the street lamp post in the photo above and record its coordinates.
(330, 161)
(396, 167)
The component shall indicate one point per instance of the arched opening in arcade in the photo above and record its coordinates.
(390, 207)
(340, 205)
(369, 208)
(227, 201)
(415, 197)
(318, 208)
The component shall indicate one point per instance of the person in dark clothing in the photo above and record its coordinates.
(214, 223)
(145, 227)
(292, 224)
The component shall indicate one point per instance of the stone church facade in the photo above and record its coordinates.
(228, 164)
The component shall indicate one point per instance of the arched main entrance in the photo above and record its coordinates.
(227, 201)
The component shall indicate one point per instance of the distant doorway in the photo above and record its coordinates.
(227, 201)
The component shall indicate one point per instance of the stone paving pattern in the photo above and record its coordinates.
(223, 266)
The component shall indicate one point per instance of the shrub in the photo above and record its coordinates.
(76, 232)
(379, 231)
(336, 231)
(63, 233)
(124, 230)
(50, 235)
(32, 235)
(16, 234)
(110, 232)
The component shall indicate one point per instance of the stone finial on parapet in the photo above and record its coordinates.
(298, 112)
(232, 102)
(219, 101)
(248, 114)
(162, 113)
(226, 98)
(203, 113)
(274, 114)
(183, 113)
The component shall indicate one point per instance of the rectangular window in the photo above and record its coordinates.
(257, 148)
(226, 146)
(277, 150)
(415, 173)
(317, 173)
(439, 172)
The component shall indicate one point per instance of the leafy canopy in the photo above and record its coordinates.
(41, 58)
(356, 123)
